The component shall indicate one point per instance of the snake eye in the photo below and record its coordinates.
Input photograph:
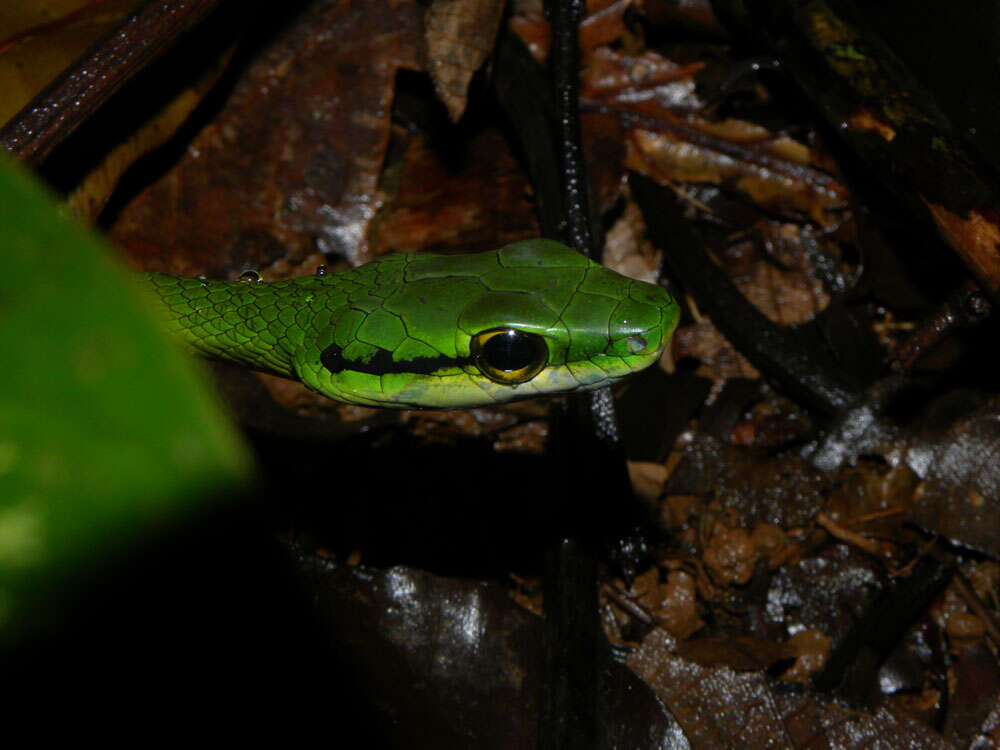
(508, 356)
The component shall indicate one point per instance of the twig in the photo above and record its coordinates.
(877, 515)
(964, 307)
(834, 529)
(921, 553)
(82, 88)
(627, 604)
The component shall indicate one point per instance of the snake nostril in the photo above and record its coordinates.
(636, 343)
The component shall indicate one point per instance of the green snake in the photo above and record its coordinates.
(431, 331)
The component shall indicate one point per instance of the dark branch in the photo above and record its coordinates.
(81, 89)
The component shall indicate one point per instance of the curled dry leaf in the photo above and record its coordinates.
(788, 296)
(719, 359)
(602, 24)
(657, 98)
(626, 249)
(689, 153)
(647, 479)
(649, 78)
(460, 35)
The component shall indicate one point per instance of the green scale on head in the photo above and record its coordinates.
(433, 331)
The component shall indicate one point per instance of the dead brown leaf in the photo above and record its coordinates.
(292, 161)
(720, 708)
(460, 35)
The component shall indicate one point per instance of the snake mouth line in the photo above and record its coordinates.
(382, 363)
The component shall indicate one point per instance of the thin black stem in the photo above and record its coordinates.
(587, 453)
(588, 439)
(565, 63)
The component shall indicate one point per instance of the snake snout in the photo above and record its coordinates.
(642, 323)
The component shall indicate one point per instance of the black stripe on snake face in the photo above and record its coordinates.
(382, 363)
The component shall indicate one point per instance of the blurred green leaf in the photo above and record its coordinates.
(108, 433)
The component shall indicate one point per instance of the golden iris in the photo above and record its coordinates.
(508, 356)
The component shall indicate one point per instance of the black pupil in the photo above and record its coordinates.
(510, 350)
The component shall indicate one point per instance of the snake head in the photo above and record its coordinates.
(530, 319)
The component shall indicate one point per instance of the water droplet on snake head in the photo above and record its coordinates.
(321, 270)
(250, 277)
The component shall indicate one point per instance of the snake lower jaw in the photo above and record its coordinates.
(464, 390)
